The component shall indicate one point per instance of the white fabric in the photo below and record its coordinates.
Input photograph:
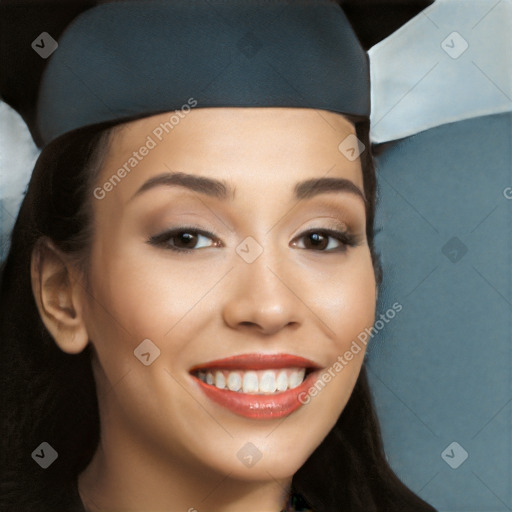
(424, 76)
(18, 154)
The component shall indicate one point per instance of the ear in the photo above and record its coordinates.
(58, 294)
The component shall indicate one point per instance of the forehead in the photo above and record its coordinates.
(249, 147)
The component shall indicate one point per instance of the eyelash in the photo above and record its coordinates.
(345, 238)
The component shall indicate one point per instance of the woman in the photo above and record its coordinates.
(185, 285)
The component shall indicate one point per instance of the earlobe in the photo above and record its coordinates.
(57, 292)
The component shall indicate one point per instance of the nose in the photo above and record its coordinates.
(262, 298)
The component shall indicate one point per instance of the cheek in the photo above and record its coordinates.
(128, 298)
(138, 295)
(347, 299)
(123, 307)
(347, 307)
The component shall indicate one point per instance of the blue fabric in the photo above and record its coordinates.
(440, 370)
(126, 59)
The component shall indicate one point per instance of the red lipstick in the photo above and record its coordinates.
(258, 362)
(256, 405)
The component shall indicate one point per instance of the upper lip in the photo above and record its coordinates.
(258, 362)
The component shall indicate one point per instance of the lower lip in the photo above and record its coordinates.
(259, 407)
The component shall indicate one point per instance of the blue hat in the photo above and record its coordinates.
(128, 59)
(241, 35)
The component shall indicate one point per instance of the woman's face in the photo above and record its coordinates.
(218, 243)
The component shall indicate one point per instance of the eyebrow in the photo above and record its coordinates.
(223, 191)
(310, 188)
(209, 186)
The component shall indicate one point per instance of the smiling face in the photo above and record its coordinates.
(240, 233)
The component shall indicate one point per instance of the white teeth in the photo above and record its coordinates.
(268, 382)
(282, 381)
(296, 378)
(234, 381)
(254, 382)
(220, 380)
(250, 384)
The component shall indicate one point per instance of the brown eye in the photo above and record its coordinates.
(316, 241)
(184, 239)
(327, 240)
